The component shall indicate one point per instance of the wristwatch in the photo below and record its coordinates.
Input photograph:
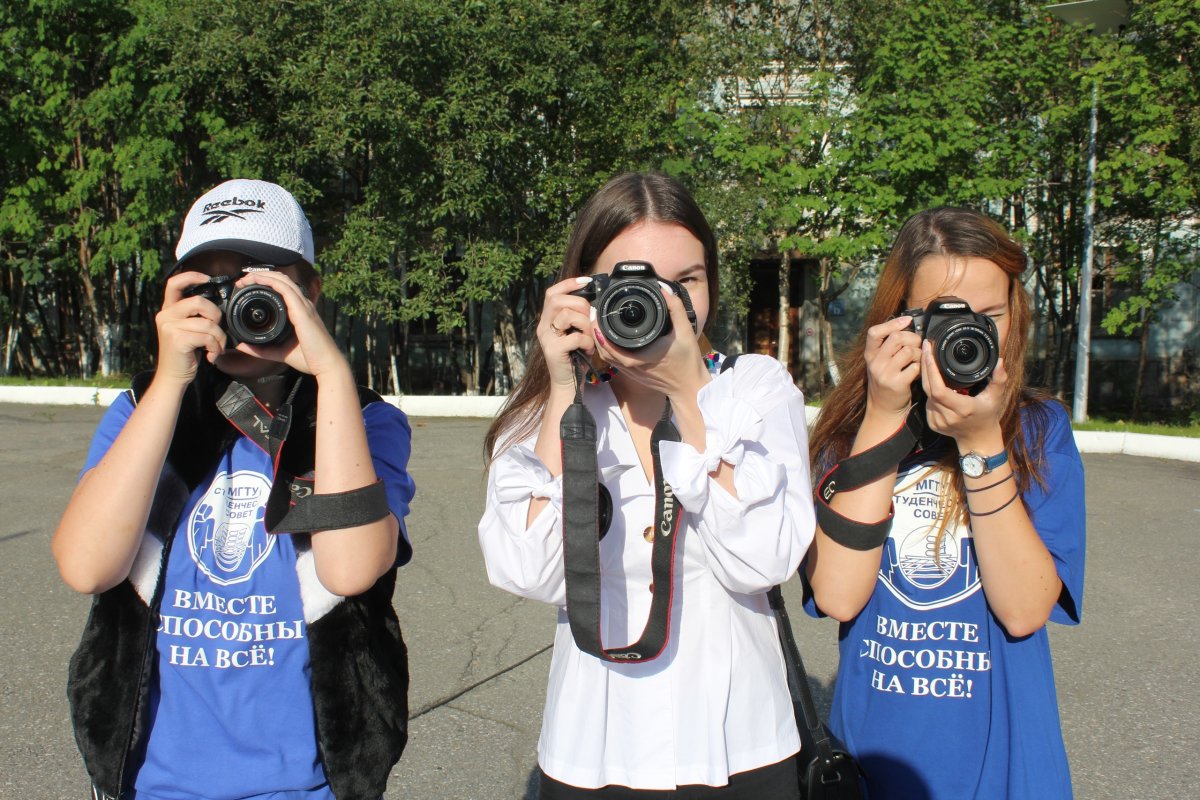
(974, 465)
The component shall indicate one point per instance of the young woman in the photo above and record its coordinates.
(711, 715)
(226, 655)
(945, 687)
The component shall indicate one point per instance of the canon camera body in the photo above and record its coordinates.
(630, 308)
(254, 314)
(966, 345)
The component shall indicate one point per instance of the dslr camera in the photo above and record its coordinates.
(630, 308)
(252, 314)
(966, 345)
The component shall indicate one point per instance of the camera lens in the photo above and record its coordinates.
(965, 353)
(258, 315)
(632, 313)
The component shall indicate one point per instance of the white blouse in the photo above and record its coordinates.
(715, 703)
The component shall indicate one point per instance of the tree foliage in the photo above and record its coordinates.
(442, 149)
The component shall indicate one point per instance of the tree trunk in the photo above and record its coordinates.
(514, 360)
(1143, 348)
(783, 347)
(16, 312)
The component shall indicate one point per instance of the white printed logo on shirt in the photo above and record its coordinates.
(919, 573)
(225, 532)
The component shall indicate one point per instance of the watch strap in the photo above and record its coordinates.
(989, 462)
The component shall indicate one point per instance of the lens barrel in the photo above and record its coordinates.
(631, 313)
(965, 351)
(258, 315)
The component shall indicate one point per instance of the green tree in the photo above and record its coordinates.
(87, 181)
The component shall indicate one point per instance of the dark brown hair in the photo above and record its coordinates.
(955, 233)
(624, 201)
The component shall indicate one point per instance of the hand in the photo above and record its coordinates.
(893, 357)
(974, 422)
(673, 365)
(564, 326)
(312, 350)
(186, 327)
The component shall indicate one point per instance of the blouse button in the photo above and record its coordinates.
(648, 534)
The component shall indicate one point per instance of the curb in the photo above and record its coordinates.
(413, 405)
(1179, 448)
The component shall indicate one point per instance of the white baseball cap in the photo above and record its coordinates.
(255, 218)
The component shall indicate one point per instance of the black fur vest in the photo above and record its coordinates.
(359, 664)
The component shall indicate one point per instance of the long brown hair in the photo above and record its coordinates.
(625, 200)
(954, 233)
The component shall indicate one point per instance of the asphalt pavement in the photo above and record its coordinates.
(479, 657)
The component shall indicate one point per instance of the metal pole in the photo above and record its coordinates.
(1083, 343)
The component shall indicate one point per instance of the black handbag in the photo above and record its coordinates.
(827, 770)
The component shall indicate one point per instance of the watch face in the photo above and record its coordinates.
(972, 465)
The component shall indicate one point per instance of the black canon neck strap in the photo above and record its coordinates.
(292, 507)
(859, 470)
(581, 537)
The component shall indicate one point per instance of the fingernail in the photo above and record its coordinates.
(600, 337)
(667, 287)
(592, 313)
(583, 280)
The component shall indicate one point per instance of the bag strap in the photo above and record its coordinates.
(808, 721)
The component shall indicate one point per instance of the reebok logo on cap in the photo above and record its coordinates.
(216, 211)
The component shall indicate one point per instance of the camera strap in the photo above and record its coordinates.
(292, 506)
(858, 470)
(581, 536)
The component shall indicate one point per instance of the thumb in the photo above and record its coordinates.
(999, 378)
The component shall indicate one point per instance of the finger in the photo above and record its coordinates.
(197, 307)
(677, 310)
(997, 381)
(177, 283)
(187, 308)
(189, 328)
(187, 342)
(904, 357)
(884, 332)
(295, 298)
(931, 377)
(936, 387)
(565, 287)
(1000, 373)
(569, 320)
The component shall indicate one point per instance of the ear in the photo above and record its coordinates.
(314, 288)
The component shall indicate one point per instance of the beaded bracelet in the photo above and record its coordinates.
(1007, 503)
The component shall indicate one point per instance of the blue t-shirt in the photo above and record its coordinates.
(933, 697)
(231, 708)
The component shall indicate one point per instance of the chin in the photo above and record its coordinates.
(241, 365)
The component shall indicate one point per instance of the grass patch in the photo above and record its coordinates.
(114, 382)
(1191, 429)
